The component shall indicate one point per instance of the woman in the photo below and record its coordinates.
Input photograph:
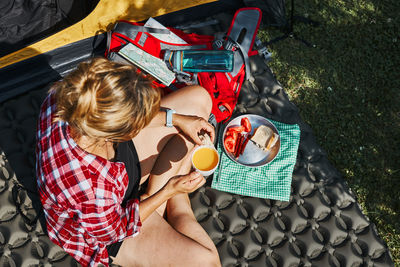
(101, 134)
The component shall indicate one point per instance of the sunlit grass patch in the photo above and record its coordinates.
(347, 88)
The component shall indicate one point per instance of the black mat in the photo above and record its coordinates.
(321, 225)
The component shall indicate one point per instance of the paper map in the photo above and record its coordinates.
(169, 38)
(152, 65)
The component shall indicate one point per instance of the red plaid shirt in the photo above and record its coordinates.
(81, 193)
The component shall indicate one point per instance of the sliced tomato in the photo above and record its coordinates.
(230, 141)
(231, 133)
(230, 144)
(237, 129)
(233, 138)
(245, 122)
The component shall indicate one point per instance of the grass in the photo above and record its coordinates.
(347, 89)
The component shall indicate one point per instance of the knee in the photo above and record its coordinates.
(203, 101)
(212, 259)
(208, 257)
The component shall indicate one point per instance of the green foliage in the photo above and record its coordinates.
(347, 88)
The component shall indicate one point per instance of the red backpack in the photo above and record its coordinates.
(223, 87)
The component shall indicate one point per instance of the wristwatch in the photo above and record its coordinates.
(168, 120)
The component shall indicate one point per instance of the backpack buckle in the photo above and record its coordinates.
(184, 77)
(262, 51)
(230, 45)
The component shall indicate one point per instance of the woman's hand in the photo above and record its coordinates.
(176, 185)
(192, 126)
(185, 183)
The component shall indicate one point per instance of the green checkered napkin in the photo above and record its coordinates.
(271, 181)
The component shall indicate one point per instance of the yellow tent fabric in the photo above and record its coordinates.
(101, 19)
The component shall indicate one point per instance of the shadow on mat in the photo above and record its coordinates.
(19, 115)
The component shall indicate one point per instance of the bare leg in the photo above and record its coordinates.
(180, 216)
(178, 209)
(180, 241)
(151, 142)
(165, 168)
(191, 100)
(158, 244)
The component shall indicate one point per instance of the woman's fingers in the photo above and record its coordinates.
(196, 183)
(193, 181)
(196, 138)
(205, 126)
(187, 183)
(192, 177)
(210, 129)
(193, 126)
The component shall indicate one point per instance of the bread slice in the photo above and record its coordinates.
(272, 141)
(264, 137)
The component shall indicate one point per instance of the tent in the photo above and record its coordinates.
(320, 225)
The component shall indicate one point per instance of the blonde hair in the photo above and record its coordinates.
(104, 99)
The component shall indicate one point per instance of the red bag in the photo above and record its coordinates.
(224, 87)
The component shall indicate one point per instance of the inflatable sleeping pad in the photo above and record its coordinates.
(321, 225)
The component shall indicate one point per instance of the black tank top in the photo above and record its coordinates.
(126, 153)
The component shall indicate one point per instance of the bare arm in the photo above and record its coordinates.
(190, 125)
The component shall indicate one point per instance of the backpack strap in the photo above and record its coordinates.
(245, 57)
(130, 30)
(241, 36)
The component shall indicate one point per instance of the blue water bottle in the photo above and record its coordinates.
(200, 60)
